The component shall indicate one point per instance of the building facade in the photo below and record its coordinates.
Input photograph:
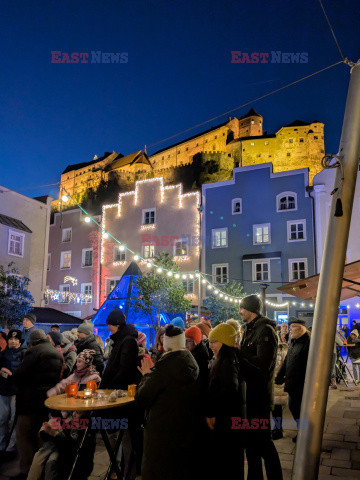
(24, 237)
(150, 219)
(73, 266)
(258, 229)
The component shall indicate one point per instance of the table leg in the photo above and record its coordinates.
(112, 453)
(77, 454)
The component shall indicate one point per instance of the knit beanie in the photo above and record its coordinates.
(141, 339)
(36, 336)
(86, 327)
(31, 316)
(174, 338)
(56, 337)
(15, 333)
(178, 322)
(194, 333)
(234, 323)
(68, 337)
(116, 317)
(223, 333)
(355, 332)
(87, 356)
(205, 327)
(251, 303)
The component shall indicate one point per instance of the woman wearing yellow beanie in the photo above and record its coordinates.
(226, 400)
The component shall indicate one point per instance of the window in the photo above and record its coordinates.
(296, 231)
(291, 140)
(266, 143)
(16, 243)
(65, 260)
(286, 201)
(236, 206)
(219, 238)
(148, 216)
(111, 284)
(288, 154)
(220, 273)
(298, 269)
(48, 262)
(66, 235)
(119, 256)
(252, 144)
(316, 137)
(63, 298)
(301, 140)
(261, 234)
(181, 247)
(188, 286)
(87, 257)
(148, 251)
(86, 289)
(261, 271)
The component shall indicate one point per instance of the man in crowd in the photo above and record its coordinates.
(87, 341)
(257, 357)
(39, 371)
(55, 328)
(28, 323)
(293, 370)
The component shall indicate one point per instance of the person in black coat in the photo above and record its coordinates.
(170, 394)
(87, 341)
(257, 359)
(195, 345)
(39, 371)
(293, 370)
(225, 405)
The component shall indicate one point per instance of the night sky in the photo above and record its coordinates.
(179, 74)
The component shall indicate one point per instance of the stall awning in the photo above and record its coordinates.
(307, 287)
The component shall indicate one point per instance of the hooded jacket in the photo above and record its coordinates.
(69, 354)
(11, 359)
(170, 394)
(121, 369)
(257, 360)
(90, 343)
(202, 357)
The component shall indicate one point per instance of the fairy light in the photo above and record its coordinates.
(209, 287)
(65, 198)
(105, 235)
(181, 258)
(152, 226)
(169, 273)
(184, 277)
(177, 275)
(159, 270)
(121, 248)
(203, 280)
(136, 258)
(149, 265)
(87, 219)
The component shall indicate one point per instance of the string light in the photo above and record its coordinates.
(136, 258)
(67, 297)
(169, 273)
(149, 265)
(87, 219)
(65, 198)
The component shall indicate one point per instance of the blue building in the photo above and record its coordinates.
(258, 228)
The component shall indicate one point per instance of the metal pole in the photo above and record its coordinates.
(308, 448)
(263, 287)
(200, 209)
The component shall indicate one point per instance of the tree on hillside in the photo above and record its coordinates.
(157, 292)
(221, 310)
(15, 298)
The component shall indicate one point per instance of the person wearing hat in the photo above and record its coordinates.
(39, 371)
(68, 351)
(10, 360)
(354, 354)
(169, 392)
(87, 341)
(29, 321)
(293, 369)
(205, 327)
(3, 340)
(225, 401)
(234, 323)
(195, 345)
(178, 322)
(55, 328)
(257, 357)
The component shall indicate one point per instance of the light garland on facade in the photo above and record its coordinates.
(67, 297)
(152, 226)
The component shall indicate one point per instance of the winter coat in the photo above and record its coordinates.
(121, 369)
(354, 352)
(283, 339)
(69, 354)
(39, 371)
(11, 359)
(73, 378)
(293, 369)
(257, 358)
(170, 394)
(26, 335)
(280, 396)
(90, 343)
(202, 357)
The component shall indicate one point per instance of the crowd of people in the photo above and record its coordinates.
(200, 389)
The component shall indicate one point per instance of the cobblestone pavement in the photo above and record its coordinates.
(340, 456)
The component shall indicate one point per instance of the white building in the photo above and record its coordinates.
(24, 237)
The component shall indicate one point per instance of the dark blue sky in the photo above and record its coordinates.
(179, 73)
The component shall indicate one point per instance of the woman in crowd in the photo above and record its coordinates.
(354, 354)
(68, 351)
(226, 399)
(280, 396)
(234, 323)
(284, 333)
(157, 349)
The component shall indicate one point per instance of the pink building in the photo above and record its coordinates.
(152, 218)
(73, 264)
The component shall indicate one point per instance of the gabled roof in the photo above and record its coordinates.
(14, 223)
(251, 113)
(78, 166)
(51, 315)
(136, 157)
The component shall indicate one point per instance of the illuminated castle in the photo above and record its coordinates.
(209, 156)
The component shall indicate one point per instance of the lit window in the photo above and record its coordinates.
(220, 273)
(86, 289)
(297, 269)
(286, 201)
(261, 234)
(87, 257)
(296, 231)
(266, 143)
(65, 260)
(219, 238)
(236, 206)
(181, 247)
(119, 256)
(16, 243)
(252, 144)
(63, 297)
(148, 216)
(148, 251)
(66, 235)
(261, 271)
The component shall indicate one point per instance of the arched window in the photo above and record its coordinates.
(286, 201)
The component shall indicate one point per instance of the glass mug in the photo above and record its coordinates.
(131, 390)
(71, 389)
(91, 384)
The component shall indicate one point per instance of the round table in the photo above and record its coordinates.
(63, 402)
